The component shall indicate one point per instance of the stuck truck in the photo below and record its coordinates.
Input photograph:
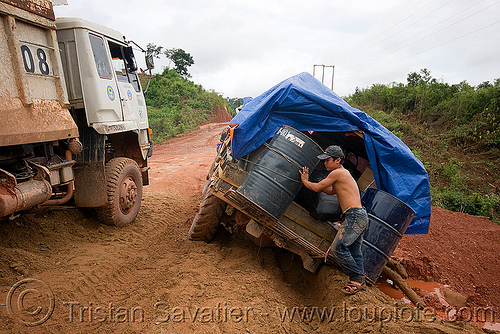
(261, 193)
(73, 118)
(254, 183)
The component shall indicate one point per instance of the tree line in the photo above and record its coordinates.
(453, 128)
(181, 59)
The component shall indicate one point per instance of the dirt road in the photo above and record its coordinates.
(148, 277)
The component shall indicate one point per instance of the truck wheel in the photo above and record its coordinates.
(124, 192)
(207, 219)
(206, 188)
(207, 180)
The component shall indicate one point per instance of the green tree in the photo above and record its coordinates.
(153, 50)
(181, 59)
(176, 104)
(445, 121)
(413, 79)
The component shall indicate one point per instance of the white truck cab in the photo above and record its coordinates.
(100, 71)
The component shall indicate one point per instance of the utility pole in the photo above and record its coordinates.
(323, 74)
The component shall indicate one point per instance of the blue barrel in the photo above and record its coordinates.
(388, 219)
(274, 180)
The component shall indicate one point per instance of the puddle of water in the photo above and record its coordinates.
(389, 290)
(426, 286)
(433, 288)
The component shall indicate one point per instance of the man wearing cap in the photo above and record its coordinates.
(346, 246)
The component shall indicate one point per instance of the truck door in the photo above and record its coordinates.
(129, 90)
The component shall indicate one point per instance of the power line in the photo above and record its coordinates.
(399, 31)
(444, 28)
(434, 47)
(380, 34)
(477, 3)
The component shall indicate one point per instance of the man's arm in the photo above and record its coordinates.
(329, 190)
(324, 185)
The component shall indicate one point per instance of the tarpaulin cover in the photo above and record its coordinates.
(305, 104)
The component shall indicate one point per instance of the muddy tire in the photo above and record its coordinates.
(124, 192)
(206, 188)
(206, 185)
(208, 218)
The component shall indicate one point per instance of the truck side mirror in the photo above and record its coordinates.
(150, 61)
(130, 59)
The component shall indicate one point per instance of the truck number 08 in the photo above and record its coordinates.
(29, 64)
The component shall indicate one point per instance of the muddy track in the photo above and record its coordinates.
(148, 277)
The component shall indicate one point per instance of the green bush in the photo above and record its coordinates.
(423, 96)
(487, 205)
(439, 119)
(176, 105)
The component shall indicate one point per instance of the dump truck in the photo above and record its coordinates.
(254, 183)
(74, 123)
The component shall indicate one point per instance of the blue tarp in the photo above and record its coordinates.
(305, 104)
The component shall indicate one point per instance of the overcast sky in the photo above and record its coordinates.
(244, 47)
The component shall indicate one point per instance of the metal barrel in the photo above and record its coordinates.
(388, 219)
(274, 180)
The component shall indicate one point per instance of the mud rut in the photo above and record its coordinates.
(148, 277)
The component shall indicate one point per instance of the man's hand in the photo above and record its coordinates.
(325, 185)
(304, 174)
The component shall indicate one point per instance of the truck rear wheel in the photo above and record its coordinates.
(124, 192)
(206, 185)
(207, 219)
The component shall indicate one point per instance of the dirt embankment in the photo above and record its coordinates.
(460, 251)
(147, 277)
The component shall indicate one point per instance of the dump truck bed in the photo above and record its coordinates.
(33, 101)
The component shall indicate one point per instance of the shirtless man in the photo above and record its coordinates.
(346, 246)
